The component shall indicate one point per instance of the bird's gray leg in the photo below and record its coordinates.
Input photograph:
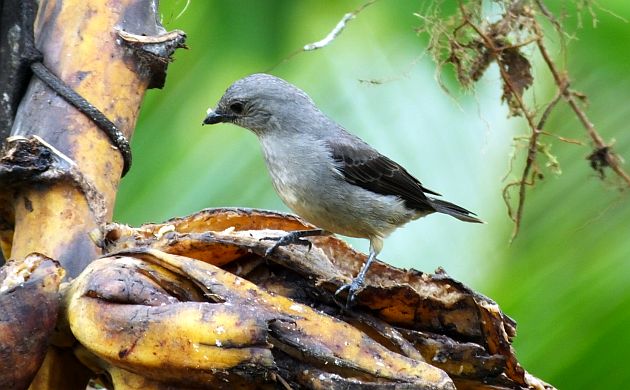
(357, 282)
(294, 237)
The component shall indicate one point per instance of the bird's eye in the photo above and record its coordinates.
(237, 107)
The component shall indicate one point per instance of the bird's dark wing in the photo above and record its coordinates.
(363, 166)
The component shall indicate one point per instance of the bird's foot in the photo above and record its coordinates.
(353, 287)
(357, 282)
(295, 237)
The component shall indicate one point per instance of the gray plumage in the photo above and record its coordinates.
(326, 175)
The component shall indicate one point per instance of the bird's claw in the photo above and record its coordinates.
(294, 237)
(352, 288)
(356, 284)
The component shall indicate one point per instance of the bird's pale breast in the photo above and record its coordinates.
(320, 194)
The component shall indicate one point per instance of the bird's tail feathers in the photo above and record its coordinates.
(454, 210)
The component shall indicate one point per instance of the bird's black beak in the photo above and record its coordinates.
(214, 117)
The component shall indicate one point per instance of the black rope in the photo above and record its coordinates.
(71, 96)
(35, 58)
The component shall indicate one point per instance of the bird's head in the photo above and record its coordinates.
(260, 102)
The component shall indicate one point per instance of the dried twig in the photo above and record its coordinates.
(338, 28)
(531, 158)
(610, 158)
(495, 53)
(334, 33)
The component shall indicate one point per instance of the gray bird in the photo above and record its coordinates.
(329, 177)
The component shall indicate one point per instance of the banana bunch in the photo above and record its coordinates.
(193, 303)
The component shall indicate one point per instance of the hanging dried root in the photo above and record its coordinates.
(478, 34)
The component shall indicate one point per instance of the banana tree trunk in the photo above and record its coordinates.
(50, 206)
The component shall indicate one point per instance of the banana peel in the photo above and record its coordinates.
(29, 302)
(194, 301)
(226, 340)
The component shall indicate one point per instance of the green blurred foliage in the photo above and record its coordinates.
(566, 278)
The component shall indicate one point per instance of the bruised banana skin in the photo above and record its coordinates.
(167, 339)
(207, 342)
(29, 300)
(311, 332)
(430, 317)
